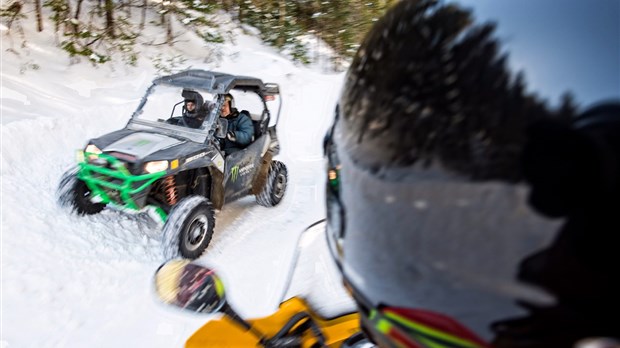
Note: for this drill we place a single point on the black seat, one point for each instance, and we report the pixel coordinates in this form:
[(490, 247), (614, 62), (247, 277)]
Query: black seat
[(257, 130), (255, 123)]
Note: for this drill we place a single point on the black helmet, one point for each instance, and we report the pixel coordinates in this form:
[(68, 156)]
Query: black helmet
[(468, 201), (196, 98)]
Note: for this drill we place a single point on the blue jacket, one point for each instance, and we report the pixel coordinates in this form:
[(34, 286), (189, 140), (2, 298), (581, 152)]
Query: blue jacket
[(241, 125)]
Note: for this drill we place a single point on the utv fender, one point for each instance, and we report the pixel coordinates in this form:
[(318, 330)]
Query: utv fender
[(201, 183), (260, 179), (217, 188)]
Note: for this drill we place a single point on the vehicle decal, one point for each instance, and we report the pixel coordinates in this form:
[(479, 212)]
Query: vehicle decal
[(142, 142), (195, 157), (234, 172), (243, 171), (218, 161)]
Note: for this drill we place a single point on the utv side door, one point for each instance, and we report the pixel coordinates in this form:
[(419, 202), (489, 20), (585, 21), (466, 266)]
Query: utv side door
[(241, 166)]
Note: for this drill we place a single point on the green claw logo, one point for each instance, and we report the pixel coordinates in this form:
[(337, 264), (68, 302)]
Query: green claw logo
[(234, 173)]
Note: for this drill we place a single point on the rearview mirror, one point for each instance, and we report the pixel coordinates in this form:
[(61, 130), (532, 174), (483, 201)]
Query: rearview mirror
[(221, 128), (195, 288), (189, 286)]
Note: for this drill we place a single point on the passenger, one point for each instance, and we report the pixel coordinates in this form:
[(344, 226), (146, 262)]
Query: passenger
[(240, 128)]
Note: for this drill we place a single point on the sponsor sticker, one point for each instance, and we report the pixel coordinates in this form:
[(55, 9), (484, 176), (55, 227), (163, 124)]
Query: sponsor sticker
[(195, 157), (237, 171), (218, 161), (234, 173)]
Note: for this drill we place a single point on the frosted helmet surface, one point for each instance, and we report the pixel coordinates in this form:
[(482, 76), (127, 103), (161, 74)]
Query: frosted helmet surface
[(473, 174)]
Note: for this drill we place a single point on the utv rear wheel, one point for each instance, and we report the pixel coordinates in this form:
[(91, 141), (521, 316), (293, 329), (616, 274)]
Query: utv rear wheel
[(189, 228), (74, 193), (275, 186)]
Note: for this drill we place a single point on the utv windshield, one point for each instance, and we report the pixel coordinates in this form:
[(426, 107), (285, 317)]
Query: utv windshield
[(166, 110)]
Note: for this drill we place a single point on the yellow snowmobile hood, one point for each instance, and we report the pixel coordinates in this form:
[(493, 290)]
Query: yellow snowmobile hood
[(225, 332)]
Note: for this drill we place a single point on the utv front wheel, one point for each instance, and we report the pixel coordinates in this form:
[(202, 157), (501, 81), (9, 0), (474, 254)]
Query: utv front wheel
[(274, 188), (189, 228), (74, 193)]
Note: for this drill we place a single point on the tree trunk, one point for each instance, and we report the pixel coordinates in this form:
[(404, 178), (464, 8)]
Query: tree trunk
[(37, 6), (168, 23), (66, 16), (126, 6), (145, 5), (78, 9), (281, 23), (109, 18)]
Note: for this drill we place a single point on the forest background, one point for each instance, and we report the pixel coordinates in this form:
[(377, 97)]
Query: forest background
[(103, 31)]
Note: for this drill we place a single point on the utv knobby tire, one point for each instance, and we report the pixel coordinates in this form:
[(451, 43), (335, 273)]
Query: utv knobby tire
[(189, 228), (74, 193), (275, 186)]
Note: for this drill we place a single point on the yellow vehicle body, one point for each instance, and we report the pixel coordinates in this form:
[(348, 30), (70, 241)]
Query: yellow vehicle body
[(225, 332)]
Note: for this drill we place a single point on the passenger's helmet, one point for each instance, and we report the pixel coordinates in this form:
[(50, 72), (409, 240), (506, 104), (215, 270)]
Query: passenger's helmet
[(228, 98), (473, 174)]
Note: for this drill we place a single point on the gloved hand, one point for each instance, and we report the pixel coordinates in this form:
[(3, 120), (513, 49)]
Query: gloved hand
[(231, 136)]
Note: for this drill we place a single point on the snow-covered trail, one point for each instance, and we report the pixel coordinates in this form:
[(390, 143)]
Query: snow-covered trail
[(70, 281)]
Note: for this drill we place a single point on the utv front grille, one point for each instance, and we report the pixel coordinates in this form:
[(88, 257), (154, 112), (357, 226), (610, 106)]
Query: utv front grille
[(110, 180)]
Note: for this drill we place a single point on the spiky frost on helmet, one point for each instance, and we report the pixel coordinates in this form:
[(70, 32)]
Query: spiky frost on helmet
[(470, 197)]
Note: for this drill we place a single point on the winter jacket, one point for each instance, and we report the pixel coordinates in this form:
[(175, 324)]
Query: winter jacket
[(240, 124)]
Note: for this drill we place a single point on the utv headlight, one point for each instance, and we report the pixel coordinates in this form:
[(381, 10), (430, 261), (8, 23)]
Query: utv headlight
[(155, 166), (93, 150)]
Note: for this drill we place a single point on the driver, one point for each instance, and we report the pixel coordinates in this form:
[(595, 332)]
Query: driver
[(193, 111), (463, 209)]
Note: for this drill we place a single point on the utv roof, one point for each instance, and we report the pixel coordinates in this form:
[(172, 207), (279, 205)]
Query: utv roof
[(216, 82)]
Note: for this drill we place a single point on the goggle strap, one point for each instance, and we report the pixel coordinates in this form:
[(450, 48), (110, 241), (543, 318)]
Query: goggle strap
[(414, 334)]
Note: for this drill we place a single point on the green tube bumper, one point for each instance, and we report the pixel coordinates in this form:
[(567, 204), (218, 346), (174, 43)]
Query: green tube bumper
[(110, 181)]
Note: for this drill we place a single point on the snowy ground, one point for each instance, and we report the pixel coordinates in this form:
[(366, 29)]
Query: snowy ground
[(70, 281)]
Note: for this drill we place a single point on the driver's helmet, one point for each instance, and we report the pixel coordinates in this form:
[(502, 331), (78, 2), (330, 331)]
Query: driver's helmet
[(473, 174), (196, 98)]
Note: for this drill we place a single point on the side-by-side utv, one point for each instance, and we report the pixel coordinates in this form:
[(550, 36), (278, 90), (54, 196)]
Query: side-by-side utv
[(179, 169)]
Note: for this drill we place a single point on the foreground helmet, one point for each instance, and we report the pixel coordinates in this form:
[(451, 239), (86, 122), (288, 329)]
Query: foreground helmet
[(473, 174)]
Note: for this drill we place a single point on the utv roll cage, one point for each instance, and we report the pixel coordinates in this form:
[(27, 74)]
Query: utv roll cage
[(220, 83)]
